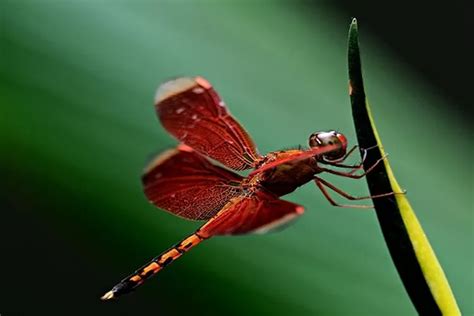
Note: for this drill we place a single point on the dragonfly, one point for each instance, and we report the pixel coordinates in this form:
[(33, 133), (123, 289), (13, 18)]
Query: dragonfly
[(196, 179)]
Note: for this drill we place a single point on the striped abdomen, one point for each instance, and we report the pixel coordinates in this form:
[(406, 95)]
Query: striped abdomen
[(153, 267)]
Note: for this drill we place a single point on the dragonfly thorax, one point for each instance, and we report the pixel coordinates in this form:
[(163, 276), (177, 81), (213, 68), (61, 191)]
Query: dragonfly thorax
[(286, 177)]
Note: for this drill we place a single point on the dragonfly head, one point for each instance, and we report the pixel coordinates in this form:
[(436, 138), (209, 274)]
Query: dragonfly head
[(321, 139)]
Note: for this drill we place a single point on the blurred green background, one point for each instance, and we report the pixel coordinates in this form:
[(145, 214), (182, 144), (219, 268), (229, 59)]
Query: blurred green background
[(77, 124)]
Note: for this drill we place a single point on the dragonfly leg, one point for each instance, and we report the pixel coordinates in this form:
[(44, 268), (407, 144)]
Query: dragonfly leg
[(321, 185), (330, 162), (351, 174), (349, 196), (337, 163), (354, 168)]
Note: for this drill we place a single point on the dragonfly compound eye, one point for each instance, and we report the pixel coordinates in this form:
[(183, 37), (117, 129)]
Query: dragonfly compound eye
[(321, 139)]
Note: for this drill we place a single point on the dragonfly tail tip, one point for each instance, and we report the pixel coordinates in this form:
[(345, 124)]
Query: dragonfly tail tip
[(107, 296)]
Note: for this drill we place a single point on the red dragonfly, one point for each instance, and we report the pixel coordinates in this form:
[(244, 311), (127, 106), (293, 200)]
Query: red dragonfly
[(186, 183)]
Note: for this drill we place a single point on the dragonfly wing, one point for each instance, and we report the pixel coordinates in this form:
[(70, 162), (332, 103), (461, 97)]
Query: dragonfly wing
[(259, 214), (185, 183), (192, 111)]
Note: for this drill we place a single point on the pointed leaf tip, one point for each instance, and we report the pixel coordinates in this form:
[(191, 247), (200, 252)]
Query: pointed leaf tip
[(353, 27)]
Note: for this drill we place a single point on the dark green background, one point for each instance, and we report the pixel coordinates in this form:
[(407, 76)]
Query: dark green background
[(77, 124)]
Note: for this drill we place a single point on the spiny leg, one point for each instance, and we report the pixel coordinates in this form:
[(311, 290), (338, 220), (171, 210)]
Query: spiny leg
[(321, 186), (354, 168), (337, 163), (343, 157), (349, 196), (350, 173), (136, 279)]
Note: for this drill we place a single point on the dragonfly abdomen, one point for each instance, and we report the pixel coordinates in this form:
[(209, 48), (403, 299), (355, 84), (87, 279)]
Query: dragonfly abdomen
[(158, 263)]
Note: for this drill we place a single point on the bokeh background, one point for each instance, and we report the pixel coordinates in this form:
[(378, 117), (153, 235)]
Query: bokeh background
[(77, 125)]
